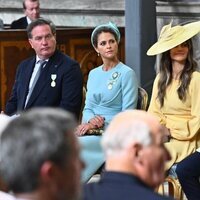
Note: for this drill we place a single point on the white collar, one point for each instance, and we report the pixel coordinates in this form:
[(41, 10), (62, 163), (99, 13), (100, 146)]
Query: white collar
[(37, 59), (28, 20)]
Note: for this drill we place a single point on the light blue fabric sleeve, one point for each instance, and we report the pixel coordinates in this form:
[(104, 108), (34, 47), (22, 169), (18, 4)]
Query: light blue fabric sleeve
[(129, 90)]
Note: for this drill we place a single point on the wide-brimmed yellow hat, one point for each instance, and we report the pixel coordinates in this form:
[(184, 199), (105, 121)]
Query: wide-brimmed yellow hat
[(171, 37)]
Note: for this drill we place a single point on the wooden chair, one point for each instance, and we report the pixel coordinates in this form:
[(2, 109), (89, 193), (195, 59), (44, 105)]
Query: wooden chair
[(171, 187), (142, 99), (83, 103)]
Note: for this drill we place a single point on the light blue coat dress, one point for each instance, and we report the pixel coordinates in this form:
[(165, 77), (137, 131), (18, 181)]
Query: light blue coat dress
[(108, 93)]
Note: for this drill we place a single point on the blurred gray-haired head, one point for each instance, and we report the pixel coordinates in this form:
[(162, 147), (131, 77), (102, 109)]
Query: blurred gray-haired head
[(38, 135), (124, 129)]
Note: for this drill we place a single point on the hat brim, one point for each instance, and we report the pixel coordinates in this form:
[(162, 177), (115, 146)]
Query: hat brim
[(188, 32)]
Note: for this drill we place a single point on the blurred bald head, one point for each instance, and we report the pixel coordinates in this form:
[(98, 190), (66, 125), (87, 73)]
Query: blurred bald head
[(133, 144), (127, 127)]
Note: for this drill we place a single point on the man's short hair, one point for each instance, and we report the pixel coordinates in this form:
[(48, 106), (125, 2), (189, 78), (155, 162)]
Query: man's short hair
[(40, 22), (24, 3), (37, 136)]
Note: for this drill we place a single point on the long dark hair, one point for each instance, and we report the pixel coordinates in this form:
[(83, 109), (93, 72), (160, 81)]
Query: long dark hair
[(165, 72)]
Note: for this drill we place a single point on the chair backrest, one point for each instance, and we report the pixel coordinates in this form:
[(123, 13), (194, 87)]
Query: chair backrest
[(83, 104), (171, 187), (142, 99)]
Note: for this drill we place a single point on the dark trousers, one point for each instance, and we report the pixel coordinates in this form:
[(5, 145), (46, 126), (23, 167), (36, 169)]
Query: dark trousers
[(188, 172)]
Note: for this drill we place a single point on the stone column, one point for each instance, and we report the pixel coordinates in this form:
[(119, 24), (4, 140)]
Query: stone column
[(140, 34)]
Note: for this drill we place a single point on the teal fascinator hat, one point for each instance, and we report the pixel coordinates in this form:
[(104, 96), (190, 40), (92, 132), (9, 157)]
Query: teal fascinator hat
[(102, 27)]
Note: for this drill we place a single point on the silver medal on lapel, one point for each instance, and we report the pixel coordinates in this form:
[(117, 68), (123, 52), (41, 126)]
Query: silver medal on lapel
[(53, 78)]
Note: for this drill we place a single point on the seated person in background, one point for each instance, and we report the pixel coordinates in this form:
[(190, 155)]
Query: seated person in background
[(135, 159), (188, 172), (4, 120), (31, 11), (40, 156), (60, 81), (111, 87), (1, 24), (176, 92)]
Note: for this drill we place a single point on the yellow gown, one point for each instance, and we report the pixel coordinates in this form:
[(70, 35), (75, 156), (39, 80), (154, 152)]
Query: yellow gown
[(182, 118)]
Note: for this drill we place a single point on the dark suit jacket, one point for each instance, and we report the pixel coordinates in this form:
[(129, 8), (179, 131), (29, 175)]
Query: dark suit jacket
[(119, 186), (66, 94), (21, 23)]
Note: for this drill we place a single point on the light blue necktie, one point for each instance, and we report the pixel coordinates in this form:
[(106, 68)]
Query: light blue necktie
[(42, 63)]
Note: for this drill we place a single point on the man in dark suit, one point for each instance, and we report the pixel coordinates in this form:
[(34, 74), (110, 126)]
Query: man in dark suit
[(31, 10), (135, 159), (60, 81)]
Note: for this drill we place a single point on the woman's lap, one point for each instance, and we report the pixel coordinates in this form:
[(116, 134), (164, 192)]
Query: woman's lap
[(91, 154)]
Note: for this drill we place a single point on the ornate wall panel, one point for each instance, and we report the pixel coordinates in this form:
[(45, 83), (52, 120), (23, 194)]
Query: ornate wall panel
[(11, 54)]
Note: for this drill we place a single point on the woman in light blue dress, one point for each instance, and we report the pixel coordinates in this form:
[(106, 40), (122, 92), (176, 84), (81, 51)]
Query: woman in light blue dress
[(111, 88)]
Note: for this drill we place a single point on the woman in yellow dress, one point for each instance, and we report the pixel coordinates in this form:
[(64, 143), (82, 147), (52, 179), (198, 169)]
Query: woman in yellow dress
[(176, 91)]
